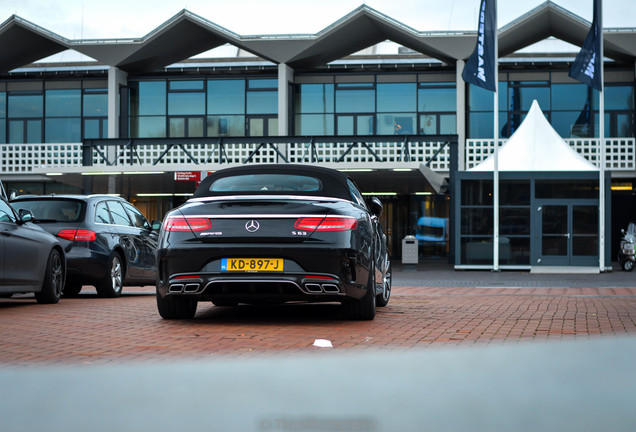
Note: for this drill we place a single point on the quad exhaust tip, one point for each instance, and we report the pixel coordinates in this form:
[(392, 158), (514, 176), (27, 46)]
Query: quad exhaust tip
[(187, 288), (328, 288)]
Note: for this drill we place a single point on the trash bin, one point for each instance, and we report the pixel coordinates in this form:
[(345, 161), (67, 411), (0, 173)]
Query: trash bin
[(409, 250)]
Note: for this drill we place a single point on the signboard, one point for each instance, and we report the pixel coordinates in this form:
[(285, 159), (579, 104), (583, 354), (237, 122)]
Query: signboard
[(187, 176)]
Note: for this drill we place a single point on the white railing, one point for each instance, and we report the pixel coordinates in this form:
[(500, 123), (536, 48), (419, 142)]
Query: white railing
[(620, 153), (25, 158)]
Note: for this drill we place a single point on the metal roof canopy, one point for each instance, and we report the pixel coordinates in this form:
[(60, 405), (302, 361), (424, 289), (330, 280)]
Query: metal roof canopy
[(187, 34)]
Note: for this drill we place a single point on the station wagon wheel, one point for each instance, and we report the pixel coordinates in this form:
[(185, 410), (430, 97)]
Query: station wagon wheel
[(53, 280), (111, 284), (383, 299)]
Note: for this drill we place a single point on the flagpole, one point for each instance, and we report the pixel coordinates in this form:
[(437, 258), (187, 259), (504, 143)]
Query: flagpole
[(601, 131), (495, 180)]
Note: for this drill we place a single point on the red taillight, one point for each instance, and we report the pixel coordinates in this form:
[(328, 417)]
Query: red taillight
[(326, 224), (77, 235), (179, 223)]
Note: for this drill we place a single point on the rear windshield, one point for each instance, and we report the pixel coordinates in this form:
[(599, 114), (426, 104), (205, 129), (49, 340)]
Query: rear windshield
[(266, 183), (52, 210)]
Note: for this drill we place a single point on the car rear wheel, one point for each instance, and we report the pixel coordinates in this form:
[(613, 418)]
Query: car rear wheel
[(628, 265), (53, 280), (175, 307), (112, 283), (72, 289), (364, 308), (382, 300)]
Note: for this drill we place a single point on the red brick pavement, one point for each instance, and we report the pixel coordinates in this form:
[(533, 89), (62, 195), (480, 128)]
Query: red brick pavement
[(91, 330)]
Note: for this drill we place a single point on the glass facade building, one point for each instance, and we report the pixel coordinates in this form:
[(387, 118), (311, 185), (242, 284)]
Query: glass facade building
[(309, 87)]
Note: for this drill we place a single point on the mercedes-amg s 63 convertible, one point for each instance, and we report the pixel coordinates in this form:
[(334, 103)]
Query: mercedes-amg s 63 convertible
[(274, 234)]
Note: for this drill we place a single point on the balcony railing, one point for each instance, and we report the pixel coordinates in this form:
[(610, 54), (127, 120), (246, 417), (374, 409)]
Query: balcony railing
[(385, 151), (620, 153), (382, 151)]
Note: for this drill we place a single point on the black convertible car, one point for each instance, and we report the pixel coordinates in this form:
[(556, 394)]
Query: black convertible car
[(274, 233)]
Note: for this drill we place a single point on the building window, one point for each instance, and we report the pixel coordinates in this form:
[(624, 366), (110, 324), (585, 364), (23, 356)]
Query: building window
[(200, 108), (25, 112), (63, 109), (437, 108), (95, 113), (314, 109), (148, 100), (3, 117)]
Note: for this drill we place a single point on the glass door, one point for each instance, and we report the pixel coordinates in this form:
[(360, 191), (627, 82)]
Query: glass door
[(555, 235), (567, 234)]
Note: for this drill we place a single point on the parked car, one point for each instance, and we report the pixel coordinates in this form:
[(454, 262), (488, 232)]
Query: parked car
[(108, 242), (31, 259), (274, 233)]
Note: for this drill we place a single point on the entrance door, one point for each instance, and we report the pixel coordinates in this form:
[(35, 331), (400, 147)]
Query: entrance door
[(566, 233)]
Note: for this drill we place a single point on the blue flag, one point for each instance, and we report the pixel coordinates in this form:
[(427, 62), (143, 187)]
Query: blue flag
[(587, 65), (480, 66)]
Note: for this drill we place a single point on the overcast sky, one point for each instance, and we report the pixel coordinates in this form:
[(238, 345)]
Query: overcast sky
[(97, 19)]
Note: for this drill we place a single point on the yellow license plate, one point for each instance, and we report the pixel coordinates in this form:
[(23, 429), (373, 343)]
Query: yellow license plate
[(252, 264)]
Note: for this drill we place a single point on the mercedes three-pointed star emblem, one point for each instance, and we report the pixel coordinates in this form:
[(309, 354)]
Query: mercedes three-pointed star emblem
[(252, 226)]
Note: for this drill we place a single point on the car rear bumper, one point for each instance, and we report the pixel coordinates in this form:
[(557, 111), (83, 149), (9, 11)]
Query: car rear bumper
[(310, 274), (85, 265)]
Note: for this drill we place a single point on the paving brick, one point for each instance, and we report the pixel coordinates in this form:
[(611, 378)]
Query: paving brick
[(89, 330)]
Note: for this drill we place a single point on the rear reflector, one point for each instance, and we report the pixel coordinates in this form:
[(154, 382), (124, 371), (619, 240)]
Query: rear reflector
[(77, 235), (327, 224), (179, 223)]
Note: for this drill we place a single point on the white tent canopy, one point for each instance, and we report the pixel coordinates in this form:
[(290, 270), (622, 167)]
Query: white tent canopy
[(536, 146)]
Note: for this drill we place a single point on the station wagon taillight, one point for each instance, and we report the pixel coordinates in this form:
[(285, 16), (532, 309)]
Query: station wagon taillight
[(326, 224), (77, 235), (182, 224)]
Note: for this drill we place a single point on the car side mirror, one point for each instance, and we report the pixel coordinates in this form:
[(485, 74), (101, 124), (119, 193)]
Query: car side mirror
[(25, 215), (376, 207), (156, 225)]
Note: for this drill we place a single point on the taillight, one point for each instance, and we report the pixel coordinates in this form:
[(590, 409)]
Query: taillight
[(326, 224), (77, 235), (179, 223)]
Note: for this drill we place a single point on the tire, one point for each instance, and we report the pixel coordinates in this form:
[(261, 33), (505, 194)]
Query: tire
[(628, 265), (112, 283), (176, 307), (364, 308), (53, 280), (72, 289), (382, 300)]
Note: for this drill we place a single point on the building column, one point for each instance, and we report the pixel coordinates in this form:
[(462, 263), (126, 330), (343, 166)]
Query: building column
[(116, 78), (461, 116), (285, 78)]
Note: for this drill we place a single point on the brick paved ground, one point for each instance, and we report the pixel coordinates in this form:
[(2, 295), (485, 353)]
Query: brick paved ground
[(90, 330)]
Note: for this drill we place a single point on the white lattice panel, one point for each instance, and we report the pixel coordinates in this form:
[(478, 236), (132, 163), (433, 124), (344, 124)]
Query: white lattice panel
[(620, 153), (18, 158)]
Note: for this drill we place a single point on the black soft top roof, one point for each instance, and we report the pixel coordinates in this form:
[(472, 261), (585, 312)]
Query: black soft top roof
[(334, 183)]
